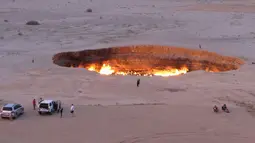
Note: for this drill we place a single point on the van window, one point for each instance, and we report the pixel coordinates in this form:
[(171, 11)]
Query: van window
[(19, 106), (44, 105), (7, 108), (16, 107)]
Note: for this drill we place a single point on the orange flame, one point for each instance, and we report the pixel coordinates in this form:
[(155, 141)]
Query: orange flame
[(92, 67), (171, 72), (106, 69)]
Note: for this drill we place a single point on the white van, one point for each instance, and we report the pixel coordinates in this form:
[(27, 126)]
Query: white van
[(49, 106)]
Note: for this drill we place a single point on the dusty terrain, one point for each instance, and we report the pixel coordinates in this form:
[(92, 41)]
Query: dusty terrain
[(174, 109)]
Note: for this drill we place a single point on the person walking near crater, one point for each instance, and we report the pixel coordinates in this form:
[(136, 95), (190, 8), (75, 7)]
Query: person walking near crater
[(138, 82)]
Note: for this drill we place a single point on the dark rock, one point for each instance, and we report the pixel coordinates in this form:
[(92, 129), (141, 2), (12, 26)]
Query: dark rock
[(6, 20), (253, 63), (89, 10), (20, 34), (32, 22), (2, 37)]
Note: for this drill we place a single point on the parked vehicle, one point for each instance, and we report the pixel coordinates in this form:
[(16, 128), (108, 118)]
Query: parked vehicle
[(49, 106), (11, 110)]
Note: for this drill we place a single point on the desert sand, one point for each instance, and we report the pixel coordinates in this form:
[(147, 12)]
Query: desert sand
[(111, 109)]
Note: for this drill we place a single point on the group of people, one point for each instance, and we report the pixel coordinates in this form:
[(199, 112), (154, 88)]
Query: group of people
[(223, 108), (60, 110)]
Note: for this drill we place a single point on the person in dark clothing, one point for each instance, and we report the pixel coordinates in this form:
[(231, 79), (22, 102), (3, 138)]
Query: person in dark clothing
[(59, 107), (138, 82), (34, 103), (224, 108), (61, 112), (215, 109)]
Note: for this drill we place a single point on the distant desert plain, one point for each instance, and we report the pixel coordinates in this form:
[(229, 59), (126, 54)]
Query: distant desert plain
[(111, 108)]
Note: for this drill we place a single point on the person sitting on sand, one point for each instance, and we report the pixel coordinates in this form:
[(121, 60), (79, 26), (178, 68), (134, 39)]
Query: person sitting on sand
[(224, 108), (72, 110), (215, 109)]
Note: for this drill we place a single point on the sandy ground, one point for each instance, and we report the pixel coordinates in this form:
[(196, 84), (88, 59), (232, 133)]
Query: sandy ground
[(177, 109)]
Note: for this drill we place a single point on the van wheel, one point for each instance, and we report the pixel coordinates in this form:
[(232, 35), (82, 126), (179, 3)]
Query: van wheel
[(13, 116)]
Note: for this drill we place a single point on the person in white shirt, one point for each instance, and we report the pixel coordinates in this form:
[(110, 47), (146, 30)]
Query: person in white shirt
[(72, 110)]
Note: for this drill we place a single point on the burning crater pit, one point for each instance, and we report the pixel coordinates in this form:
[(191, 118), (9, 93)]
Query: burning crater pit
[(146, 60)]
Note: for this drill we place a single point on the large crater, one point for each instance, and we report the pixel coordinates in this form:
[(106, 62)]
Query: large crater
[(147, 60)]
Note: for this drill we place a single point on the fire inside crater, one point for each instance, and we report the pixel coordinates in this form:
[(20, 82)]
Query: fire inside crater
[(147, 60)]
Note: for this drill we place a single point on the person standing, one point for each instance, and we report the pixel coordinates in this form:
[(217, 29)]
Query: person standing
[(40, 100), (61, 112), (72, 110), (138, 82), (34, 103)]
